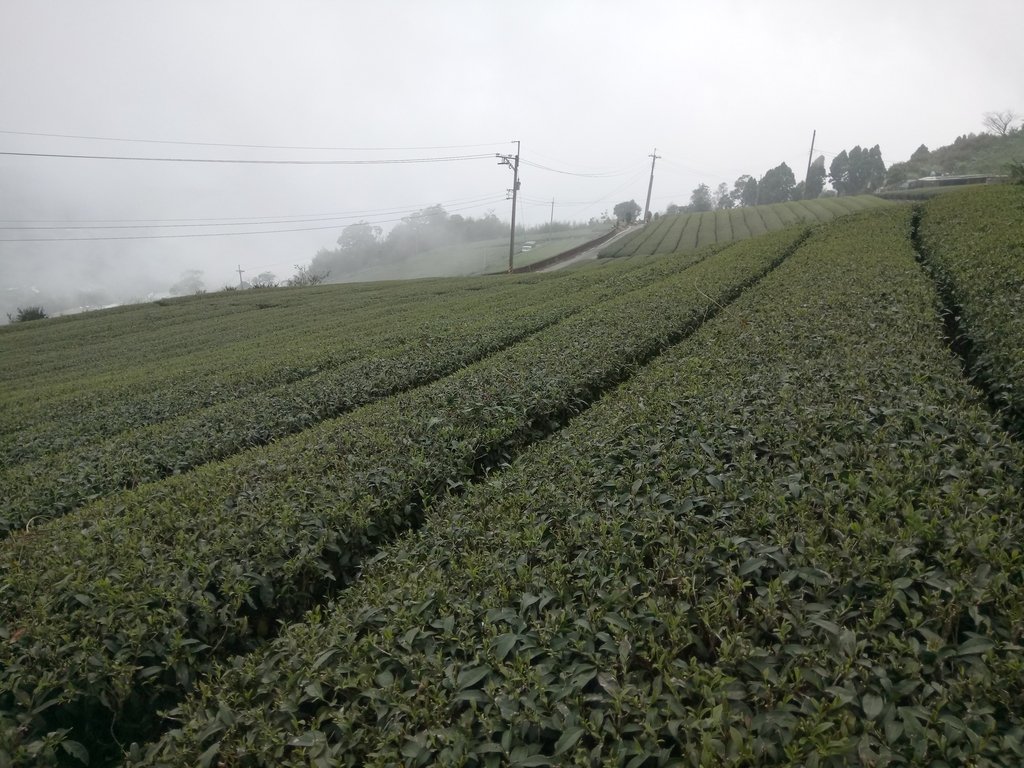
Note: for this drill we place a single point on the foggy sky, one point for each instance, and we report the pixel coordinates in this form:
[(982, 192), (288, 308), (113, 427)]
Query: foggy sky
[(721, 89)]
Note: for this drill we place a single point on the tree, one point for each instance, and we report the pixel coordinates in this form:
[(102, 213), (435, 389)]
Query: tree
[(776, 186), (264, 280), (874, 169), (744, 190), (722, 199), (867, 171), (431, 216), (26, 314), (360, 237), (1000, 123), (418, 232), (191, 282), (700, 199), (486, 227), (839, 172), (306, 276), (1015, 170), (857, 172), (815, 179), (921, 154), (627, 211)]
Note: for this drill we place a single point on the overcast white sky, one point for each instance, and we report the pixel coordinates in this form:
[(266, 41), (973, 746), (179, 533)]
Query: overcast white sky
[(720, 88)]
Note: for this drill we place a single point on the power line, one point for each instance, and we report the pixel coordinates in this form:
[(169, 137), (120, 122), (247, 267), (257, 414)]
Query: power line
[(388, 161), (237, 221), (548, 160), (573, 173), (699, 171), (633, 179), (541, 201), (253, 219), (251, 146), (136, 224), (210, 234)]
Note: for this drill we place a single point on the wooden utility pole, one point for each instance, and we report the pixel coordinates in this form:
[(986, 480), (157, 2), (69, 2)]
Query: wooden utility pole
[(513, 163), (807, 176), (552, 210), (240, 271), (650, 185)]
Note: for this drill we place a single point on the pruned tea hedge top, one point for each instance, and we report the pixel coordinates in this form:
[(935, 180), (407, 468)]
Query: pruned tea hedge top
[(672, 233), (974, 242), (156, 584), (793, 539), (739, 508)]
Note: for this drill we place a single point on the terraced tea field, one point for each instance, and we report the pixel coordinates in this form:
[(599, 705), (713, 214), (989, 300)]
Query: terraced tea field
[(673, 233), (741, 505)]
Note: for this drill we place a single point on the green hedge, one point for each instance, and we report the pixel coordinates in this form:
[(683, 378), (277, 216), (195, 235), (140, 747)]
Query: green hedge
[(974, 242), (793, 539), (114, 611), (105, 387)]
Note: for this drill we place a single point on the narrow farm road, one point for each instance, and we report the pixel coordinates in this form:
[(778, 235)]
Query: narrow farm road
[(587, 255)]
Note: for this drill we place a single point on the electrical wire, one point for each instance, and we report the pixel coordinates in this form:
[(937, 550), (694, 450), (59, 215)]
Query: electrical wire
[(251, 146), (215, 234), (388, 161), (254, 219), (691, 171), (235, 221), (573, 173), (538, 201), (547, 160), (135, 224), (632, 180)]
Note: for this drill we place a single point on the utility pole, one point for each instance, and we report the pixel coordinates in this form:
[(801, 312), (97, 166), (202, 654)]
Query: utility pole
[(807, 177), (650, 185), (513, 163), (552, 211), (240, 271)]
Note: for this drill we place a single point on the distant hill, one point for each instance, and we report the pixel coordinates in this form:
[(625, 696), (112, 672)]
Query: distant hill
[(477, 257), (672, 233), (968, 154), (435, 243)]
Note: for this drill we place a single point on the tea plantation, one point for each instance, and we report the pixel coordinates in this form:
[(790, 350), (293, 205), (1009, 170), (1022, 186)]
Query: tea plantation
[(676, 232), (760, 503)]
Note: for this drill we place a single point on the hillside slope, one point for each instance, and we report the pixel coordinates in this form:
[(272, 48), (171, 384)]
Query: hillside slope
[(461, 259), (737, 505), (770, 533), (673, 233), (974, 154)]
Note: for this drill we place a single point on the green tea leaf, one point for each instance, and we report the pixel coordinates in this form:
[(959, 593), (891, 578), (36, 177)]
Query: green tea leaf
[(872, 705)]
